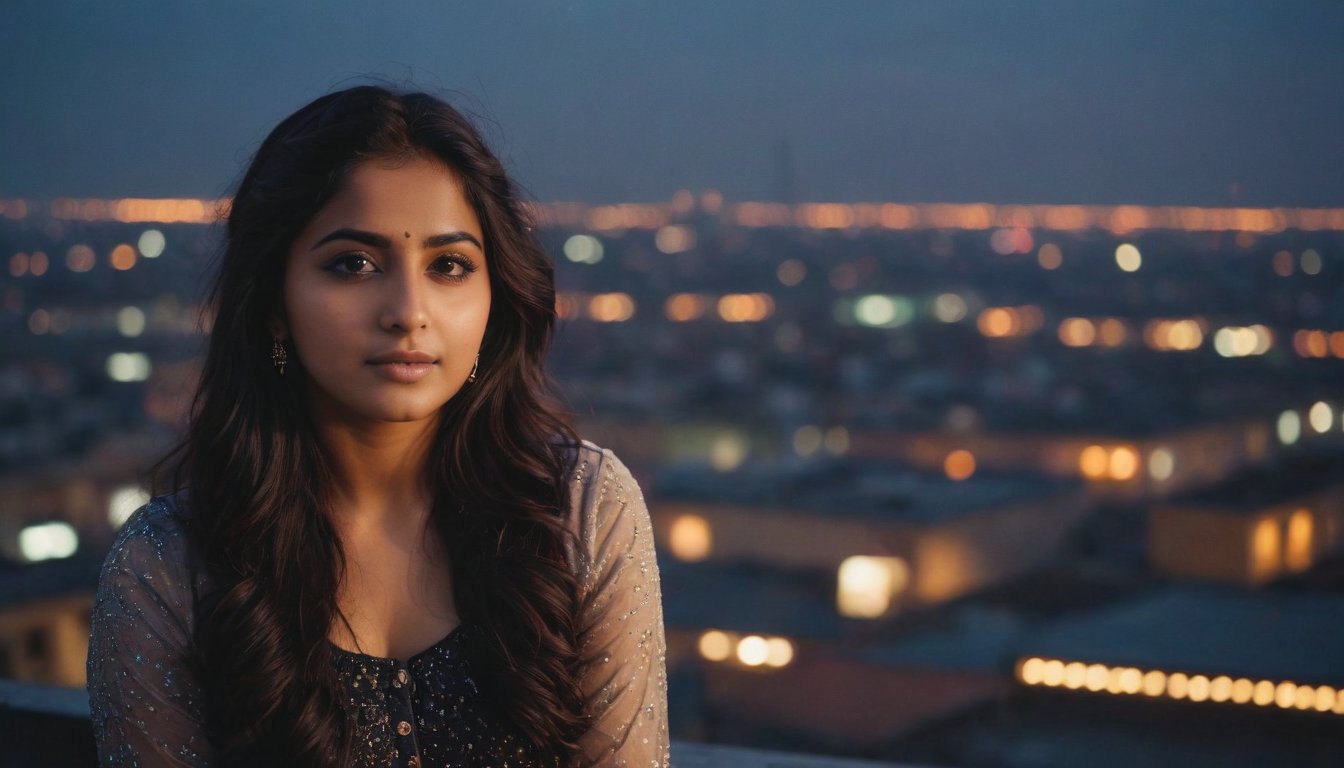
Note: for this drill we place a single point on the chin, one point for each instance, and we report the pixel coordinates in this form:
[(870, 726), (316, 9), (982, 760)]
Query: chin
[(402, 413), (400, 408)]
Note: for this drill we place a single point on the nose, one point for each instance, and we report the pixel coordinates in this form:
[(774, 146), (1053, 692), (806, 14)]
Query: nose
[(404, 308)]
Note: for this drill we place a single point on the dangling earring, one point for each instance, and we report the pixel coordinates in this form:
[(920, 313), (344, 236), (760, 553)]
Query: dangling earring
[(472, 376), (279, 355)]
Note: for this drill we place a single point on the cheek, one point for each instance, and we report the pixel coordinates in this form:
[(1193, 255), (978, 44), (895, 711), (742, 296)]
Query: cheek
[(316, 318)]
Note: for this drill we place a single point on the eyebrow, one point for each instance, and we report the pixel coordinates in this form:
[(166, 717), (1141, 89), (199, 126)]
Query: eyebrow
[(375, 240)]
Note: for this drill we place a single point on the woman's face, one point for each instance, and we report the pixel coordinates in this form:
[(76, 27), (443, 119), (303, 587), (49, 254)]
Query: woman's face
[(386, 294)]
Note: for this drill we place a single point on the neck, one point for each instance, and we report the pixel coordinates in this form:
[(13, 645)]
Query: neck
[(379, 473)]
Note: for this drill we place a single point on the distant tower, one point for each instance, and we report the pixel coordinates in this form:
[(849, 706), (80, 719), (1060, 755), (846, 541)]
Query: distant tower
[(784, 192)]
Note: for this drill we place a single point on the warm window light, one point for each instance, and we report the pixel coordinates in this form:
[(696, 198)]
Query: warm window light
[(1077, 332), (959, 465), (1093, 462), (1124, 463), (745, 307), (866, 585), (611, 307), (123, 502), (715, 645), (122, 257), (1297, 553), (48, 541), (1243, 341), (690, 538), (753, 650), (1266, 548), (778, 652), (998, 322)]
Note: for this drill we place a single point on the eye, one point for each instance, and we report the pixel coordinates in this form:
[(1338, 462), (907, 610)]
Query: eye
[(351, 264), (453, 266)]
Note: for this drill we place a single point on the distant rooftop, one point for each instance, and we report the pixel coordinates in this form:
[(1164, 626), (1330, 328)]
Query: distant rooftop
[(1211, 630), (852, 488), (1288, 476)]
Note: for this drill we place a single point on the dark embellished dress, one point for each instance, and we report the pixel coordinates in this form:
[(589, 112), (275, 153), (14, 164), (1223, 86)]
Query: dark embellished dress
[(425, 712)]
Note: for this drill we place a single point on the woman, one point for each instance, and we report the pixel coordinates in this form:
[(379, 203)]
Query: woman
[(387, 546)]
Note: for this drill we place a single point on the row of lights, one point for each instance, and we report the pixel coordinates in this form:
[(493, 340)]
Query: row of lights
[(135, 210), (1223, 689), (1309, 262), (130, 321), (1317, 343), (1121, 462), (757, 651), (971, 216), (82, 258), (1321, 417), (1009, 322), (983, 216), (1164, 335), (618, 307)]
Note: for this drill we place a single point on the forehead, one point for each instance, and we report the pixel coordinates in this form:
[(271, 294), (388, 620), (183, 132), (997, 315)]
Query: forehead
[(420, 196)]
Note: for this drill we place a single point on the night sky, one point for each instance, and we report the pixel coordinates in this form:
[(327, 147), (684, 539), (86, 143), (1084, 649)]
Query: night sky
[(1162, 102)]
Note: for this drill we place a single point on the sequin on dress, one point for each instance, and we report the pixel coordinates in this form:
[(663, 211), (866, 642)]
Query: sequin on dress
[(425, 712)]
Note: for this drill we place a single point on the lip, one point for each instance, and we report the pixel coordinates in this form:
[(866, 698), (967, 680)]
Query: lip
[(403, 367), (412, 357)]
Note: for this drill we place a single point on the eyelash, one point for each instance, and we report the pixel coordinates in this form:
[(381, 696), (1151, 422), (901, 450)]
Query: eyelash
[(456, 259)]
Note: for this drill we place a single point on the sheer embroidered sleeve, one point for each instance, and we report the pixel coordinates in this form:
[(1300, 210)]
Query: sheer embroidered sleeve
[(621, 620), (145, 703)]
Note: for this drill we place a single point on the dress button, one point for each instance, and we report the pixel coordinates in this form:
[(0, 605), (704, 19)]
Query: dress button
[(403, 728), (401, 677)]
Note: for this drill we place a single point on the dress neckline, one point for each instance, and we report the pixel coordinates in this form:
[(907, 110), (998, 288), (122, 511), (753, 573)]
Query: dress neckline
[(448, 639)]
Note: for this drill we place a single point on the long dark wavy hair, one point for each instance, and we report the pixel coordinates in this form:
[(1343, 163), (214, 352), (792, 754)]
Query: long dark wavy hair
[(257, 479)]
